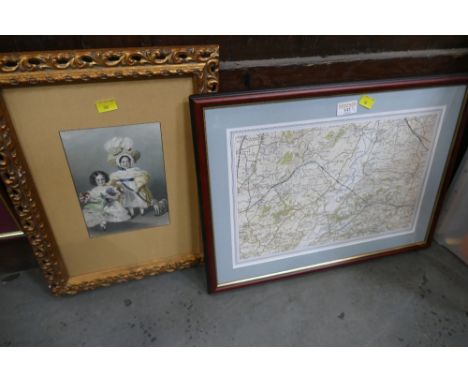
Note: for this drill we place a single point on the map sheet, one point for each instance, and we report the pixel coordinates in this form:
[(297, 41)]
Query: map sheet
[(321, 183)]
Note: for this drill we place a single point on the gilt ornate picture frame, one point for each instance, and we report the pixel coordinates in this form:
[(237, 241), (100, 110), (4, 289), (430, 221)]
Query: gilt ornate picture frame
[(296, 180), (64, 117)]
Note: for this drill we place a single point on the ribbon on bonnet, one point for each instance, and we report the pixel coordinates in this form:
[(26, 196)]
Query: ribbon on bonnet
[(118, 147)]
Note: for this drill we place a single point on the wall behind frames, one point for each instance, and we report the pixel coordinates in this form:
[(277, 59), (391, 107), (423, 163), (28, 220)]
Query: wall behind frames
[(7, 222), (262, 62)]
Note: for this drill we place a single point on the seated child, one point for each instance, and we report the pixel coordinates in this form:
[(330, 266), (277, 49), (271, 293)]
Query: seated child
[(101, 204)]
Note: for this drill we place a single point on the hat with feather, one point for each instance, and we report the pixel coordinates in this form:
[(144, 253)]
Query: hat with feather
[(119, 147)]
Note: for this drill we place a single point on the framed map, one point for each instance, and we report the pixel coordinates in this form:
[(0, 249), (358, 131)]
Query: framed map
[(301, 179)]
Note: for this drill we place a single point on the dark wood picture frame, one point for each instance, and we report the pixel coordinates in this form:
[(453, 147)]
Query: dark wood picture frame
[(201, 103)]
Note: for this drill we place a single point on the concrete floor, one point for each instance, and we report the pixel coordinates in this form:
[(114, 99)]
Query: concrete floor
[(414, 299)]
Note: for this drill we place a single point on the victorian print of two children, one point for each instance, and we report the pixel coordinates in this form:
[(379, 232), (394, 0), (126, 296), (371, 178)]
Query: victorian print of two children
[(119, 195)]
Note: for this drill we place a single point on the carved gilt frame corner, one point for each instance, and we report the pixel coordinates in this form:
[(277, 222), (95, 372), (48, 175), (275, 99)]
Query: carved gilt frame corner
[(27, 69)]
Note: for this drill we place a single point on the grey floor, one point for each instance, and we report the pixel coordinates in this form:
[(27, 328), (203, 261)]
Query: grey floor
[(414, 299)]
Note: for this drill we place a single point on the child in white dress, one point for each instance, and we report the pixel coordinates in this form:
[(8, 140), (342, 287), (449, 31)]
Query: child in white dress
[(101, 204), (130, 180)]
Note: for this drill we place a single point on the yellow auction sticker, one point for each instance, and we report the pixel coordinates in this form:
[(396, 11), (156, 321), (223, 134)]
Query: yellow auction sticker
[(366, 101), (106, 105)]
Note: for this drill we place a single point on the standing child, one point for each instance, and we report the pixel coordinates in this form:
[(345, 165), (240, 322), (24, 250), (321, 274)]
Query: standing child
[(132, 181)]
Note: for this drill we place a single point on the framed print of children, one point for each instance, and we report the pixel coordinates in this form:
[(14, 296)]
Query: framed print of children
[(131, 181), (119, 177)]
